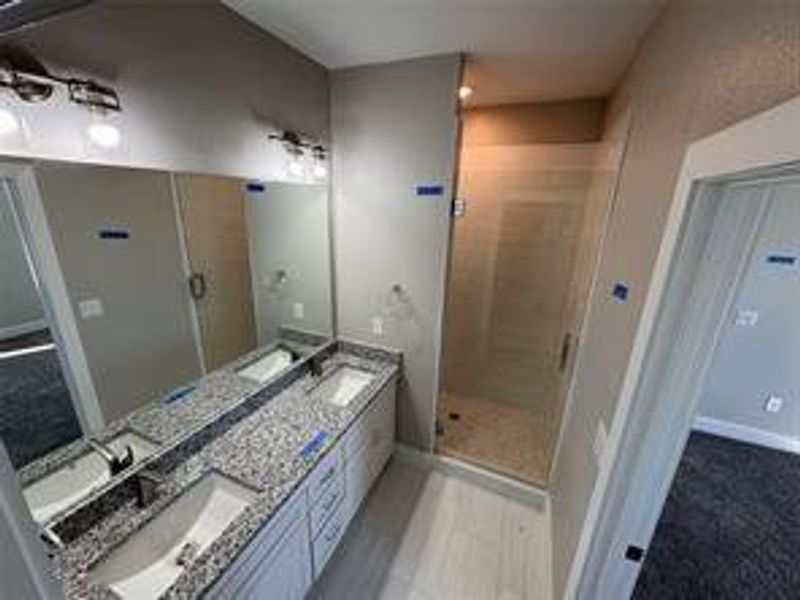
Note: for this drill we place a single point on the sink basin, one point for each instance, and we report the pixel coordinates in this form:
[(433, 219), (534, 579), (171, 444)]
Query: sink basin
[(342, 386), (75, 480), (265, 368), (154, 557)]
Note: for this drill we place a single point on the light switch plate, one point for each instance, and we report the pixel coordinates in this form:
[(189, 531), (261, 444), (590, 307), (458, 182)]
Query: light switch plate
[(377, 325), (600, 441), (747, 317), (298, 310), (90, 308)]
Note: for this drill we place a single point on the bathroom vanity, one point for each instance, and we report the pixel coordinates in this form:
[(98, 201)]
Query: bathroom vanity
[(250, 505)]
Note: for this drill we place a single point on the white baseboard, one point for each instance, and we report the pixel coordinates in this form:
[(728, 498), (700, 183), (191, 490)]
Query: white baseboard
[(13, 331), (745, 433), (505, 486)]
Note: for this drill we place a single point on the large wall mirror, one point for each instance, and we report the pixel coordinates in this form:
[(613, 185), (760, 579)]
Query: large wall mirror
[(121, 287)]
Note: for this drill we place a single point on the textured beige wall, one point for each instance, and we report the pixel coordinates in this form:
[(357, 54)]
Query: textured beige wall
[(702, 66), (567, 122)]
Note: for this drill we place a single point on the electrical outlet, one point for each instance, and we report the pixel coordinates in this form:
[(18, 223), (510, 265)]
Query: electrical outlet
[(298, 310), (774, 404), (377, 325)]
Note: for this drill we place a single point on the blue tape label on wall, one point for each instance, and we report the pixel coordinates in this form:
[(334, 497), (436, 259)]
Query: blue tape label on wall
[(430, 190), (781, 259), (620, 292), (114, 234)]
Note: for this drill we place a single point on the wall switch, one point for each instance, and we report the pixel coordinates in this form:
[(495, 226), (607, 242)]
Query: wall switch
[(298, 310), (377, 325), (90, 308), (600, 442), (746, 318), (774, 404)]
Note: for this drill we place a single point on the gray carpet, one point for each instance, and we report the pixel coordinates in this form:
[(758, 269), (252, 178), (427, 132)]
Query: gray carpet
[(730, 528), (36, 413)]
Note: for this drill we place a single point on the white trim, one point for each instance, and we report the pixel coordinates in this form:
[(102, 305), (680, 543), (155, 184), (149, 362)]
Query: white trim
[(27, 202), (746, 433), (505, 486), (24, 351), (767, 139), (12, 331)]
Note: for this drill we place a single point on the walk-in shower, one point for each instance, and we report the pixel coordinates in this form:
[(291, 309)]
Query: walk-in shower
[(524, 244)]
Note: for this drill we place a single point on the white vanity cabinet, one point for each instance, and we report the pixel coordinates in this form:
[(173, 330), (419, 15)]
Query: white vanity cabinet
[(292, 550)]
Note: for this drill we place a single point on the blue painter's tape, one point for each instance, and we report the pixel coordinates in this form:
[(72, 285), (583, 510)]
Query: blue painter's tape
[(254, 186), (430, 190), (114, 234), (781, 259), (314, 445), (179, 393), (620, 292)]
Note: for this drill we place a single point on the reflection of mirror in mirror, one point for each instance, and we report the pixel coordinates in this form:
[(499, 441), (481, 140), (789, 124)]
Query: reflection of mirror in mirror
[(162, 278)]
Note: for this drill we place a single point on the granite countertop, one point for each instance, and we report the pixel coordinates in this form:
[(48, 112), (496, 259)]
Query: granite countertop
[(260, 445), (163, 423)]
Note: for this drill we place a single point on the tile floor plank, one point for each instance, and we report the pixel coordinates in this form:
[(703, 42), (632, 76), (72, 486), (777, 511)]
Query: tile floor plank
[(425, 535)]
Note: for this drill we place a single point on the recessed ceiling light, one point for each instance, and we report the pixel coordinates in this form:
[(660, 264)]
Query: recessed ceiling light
[(464, 92)]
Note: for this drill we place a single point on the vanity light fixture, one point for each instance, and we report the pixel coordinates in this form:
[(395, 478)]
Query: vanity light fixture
[(320, 169), (297, 146)]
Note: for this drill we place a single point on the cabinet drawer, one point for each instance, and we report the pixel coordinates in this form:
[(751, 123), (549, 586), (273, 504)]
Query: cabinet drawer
[(326, 504), (324, 473), (327, 539)]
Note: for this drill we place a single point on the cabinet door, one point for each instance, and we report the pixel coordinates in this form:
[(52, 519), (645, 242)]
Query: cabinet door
[(285, 574)]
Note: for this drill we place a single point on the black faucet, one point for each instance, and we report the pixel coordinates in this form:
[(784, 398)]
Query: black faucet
[(147, 482), (315, 366)]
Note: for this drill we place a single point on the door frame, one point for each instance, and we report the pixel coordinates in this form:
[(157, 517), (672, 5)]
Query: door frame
[(638, 468), (26, 203)]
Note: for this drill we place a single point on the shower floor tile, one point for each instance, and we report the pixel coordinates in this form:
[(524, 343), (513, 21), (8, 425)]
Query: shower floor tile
[(500, 437)]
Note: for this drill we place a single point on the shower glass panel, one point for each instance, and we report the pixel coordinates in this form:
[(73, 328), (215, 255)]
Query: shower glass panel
[(521, 260)]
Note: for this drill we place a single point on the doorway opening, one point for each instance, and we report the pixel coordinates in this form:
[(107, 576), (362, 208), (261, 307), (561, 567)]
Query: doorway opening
[(528, 223), (735, 487)]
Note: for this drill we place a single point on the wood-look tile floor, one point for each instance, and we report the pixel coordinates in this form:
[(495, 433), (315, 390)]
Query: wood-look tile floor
[(424, 535), (500, 437)]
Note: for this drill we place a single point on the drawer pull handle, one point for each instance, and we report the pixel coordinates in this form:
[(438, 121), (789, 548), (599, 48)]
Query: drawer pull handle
[(331, 535), (329, 504), (328, 475)]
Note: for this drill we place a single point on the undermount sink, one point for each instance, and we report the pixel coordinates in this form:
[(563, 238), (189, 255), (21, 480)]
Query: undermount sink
[(152, 559), (343, 385), (75, 480), (265, 368)]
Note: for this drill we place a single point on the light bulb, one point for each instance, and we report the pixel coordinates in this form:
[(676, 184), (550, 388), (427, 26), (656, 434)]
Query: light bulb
[(295, 168), (105, 135), (8, 122), (320, 170), (464, 92)]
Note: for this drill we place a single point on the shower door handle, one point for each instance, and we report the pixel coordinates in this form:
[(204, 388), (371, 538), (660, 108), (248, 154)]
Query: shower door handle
[(566, 350), (197, 285)]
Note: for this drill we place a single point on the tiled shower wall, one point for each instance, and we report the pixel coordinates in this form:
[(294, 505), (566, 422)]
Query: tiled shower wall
[(521, 251)]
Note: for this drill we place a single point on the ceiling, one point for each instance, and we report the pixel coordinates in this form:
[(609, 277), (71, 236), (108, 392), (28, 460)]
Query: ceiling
[(517, 50)]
